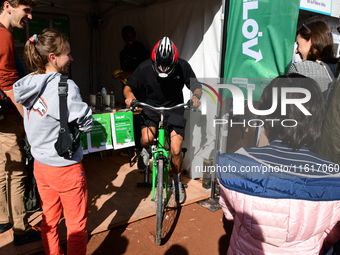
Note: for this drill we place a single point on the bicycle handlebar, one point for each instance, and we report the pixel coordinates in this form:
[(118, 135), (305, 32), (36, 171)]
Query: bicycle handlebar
[(135, 103)]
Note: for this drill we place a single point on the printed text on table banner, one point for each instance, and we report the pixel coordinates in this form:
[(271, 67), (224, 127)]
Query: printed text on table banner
[(110, 131)]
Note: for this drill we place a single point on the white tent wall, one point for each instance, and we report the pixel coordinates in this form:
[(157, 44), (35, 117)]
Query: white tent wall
[(335, 8), (186, 22)]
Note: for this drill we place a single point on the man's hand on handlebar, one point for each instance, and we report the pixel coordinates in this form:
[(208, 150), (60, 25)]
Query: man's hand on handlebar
[(195, 102), (129, 100), (134, 104), (128, 94)]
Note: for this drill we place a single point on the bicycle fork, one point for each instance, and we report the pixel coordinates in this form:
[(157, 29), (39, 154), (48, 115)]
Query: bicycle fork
[(159, 151)]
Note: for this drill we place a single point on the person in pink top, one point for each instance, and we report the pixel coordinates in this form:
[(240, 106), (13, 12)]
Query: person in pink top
[(283, 198)]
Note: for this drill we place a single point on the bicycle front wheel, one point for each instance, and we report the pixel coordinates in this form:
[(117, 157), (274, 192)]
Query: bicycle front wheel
[(159, 200)]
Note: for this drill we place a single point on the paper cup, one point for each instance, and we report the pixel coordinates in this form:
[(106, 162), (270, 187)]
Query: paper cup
[(92, 99), (106, 100)]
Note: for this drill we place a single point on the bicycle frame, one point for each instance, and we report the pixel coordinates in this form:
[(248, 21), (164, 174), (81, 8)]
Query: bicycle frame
[(159, 148), (161, 157)]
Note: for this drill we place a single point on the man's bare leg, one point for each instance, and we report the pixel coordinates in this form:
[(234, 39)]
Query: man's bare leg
[(147, 136), (146, 141), (176, 152), (176, 164)]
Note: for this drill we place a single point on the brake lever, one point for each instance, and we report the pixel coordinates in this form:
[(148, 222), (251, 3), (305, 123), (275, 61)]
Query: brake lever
[(134, 104), (189, 104)]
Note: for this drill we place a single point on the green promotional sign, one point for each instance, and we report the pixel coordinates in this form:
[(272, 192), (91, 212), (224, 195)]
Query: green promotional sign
[(100, 135), (123, 132), (260, 42), (83, 142)]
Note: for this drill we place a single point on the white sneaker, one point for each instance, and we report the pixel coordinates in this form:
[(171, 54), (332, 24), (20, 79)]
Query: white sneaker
[(143, 160), (178, 191)]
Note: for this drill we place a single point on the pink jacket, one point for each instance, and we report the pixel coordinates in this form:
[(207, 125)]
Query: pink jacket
[(278, 226), (279, 212)]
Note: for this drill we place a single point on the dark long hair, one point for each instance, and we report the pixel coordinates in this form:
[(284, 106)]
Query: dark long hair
[(322, 48), (308, 127)]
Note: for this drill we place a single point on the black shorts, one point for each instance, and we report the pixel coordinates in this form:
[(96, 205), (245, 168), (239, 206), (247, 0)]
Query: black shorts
[(172, 121)]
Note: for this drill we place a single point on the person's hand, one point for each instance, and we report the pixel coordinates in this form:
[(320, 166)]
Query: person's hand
[(129, 100), (195, 101)]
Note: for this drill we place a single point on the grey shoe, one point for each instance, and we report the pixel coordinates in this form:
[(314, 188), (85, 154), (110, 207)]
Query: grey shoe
[(143, 160), (178, 192)]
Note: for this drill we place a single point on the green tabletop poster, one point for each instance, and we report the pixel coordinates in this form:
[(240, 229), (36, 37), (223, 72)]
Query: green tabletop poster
[(84, 143), (122, 130), (100, 137)]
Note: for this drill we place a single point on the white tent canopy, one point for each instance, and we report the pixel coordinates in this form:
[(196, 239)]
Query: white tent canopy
[(95, 25), (194, 26)]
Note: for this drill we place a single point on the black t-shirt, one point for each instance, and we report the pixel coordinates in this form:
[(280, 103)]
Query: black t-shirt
[(165, 92)]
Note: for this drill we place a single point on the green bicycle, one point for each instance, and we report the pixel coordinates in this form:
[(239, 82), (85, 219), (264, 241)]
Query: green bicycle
[(160, 166)]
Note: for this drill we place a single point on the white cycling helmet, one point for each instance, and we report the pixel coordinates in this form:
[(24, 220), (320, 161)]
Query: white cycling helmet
[(164, 56)]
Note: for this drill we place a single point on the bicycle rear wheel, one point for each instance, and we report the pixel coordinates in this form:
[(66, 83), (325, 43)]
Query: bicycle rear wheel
[(159, 200)]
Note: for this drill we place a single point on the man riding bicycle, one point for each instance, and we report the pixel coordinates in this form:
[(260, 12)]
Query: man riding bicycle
[(163, 76)]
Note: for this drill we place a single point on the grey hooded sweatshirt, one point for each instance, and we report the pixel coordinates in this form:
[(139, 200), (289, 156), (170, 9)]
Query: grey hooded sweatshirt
[(38, 93)]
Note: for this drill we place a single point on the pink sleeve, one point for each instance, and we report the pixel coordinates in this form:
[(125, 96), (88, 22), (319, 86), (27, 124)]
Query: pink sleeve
[(228, 210)]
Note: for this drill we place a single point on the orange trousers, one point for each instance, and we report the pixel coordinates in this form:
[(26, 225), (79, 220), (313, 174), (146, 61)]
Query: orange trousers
[(63, 193)]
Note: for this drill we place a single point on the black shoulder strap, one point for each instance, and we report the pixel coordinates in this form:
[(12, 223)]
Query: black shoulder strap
[(62, 91)]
